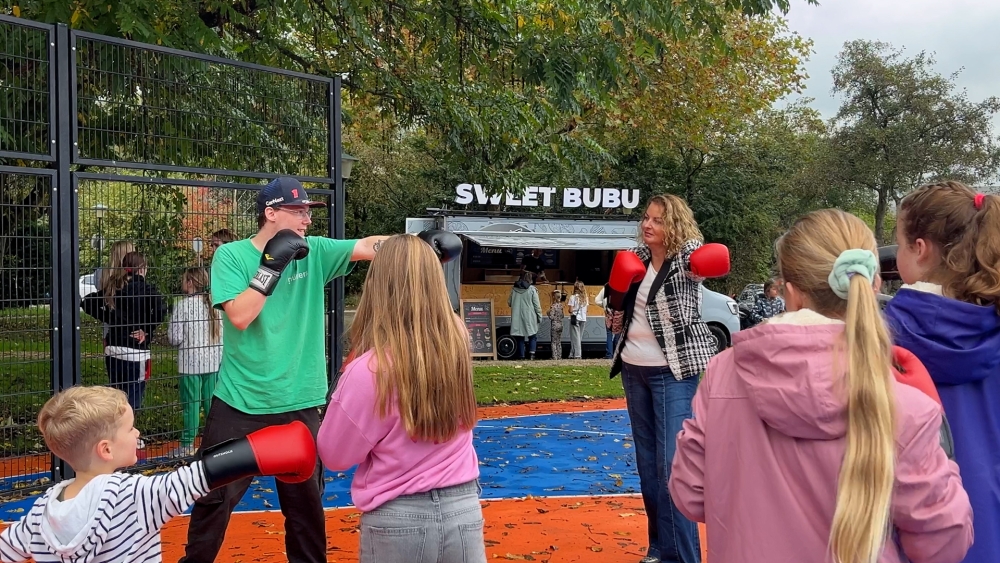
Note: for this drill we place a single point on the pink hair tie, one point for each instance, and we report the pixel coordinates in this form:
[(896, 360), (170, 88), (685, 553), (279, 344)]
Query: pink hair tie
[(978, 201)]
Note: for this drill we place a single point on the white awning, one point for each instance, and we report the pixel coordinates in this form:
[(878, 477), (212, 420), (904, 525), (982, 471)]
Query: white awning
[(551, 241)]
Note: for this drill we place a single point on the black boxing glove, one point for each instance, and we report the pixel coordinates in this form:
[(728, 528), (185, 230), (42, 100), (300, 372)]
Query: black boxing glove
[(286, 245), (446, 244)]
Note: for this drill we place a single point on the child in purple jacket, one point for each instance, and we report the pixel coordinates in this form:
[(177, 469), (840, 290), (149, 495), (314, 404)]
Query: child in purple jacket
[(948, 256)]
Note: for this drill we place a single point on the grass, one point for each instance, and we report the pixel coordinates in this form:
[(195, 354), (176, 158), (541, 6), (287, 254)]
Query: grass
[(26, 380), (523, 383)]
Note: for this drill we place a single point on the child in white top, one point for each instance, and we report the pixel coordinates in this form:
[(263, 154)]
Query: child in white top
[(103, 516), (196, 327)]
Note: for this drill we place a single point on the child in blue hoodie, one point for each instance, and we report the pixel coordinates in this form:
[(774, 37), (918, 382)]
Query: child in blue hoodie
[(948, 314)]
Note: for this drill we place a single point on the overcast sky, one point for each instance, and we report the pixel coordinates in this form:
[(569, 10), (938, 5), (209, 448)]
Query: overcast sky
[(960, 34)]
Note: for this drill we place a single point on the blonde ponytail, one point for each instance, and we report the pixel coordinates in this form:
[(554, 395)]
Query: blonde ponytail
[(867, 474), (828, 255)]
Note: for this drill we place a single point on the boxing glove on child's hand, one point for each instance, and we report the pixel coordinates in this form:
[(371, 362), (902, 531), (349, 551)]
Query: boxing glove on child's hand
[(286, 245), (710, 261), (287, 451)]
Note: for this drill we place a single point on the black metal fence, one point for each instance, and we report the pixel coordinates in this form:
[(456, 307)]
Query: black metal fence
[(105, 145)]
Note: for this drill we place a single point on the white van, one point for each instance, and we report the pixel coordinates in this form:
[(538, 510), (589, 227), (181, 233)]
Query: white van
[(572, 249)]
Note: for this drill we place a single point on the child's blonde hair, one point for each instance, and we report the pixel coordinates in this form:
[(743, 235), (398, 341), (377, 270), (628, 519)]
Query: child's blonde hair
[(75, 420), (115, 257), (966, 229), (424, 353), (198, 279), (807, 254)]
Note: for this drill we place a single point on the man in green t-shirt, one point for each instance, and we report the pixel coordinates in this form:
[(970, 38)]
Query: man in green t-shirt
[(271, 288)]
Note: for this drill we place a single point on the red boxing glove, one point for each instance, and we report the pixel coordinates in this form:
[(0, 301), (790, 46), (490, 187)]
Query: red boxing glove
[(710, 261), (627, 269), (287, 451), (909, 370)]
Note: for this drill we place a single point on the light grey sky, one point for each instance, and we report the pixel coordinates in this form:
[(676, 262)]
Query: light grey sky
[(960, 34)]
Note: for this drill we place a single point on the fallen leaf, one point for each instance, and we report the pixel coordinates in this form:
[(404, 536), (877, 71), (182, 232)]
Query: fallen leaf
[(626, 514), (596, 548)]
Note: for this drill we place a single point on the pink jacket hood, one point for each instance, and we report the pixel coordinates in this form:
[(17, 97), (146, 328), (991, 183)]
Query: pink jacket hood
[(759, 462), (789, 376)]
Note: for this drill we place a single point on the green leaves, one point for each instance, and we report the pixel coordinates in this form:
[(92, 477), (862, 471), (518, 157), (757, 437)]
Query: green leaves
[(902, 124)]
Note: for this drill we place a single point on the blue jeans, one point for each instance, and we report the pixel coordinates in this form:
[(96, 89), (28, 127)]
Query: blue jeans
[(129, 377), (532, 344), (612, 343), (440, 526), (657, 405)]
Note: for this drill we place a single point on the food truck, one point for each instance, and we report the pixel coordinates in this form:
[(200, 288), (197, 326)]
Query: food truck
[(580, 247)]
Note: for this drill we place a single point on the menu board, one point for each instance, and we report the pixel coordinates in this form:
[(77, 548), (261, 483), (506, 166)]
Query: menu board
[(477, 314), (496, 257)]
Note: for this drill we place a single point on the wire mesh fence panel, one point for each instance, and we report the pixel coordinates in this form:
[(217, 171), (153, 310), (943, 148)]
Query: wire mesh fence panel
[(26, 327), (98, 111), (142, 105), (151, 246), (25, 80)]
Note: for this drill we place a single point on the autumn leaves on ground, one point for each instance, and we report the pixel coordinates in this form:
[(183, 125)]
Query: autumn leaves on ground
[(555, 529), (567, 529)]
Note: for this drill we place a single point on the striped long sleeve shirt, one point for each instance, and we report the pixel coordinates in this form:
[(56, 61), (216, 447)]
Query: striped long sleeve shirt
[(124, 526)]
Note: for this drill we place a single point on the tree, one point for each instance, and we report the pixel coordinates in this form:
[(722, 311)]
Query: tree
[(692, 99), (503, 84), (902, 124)]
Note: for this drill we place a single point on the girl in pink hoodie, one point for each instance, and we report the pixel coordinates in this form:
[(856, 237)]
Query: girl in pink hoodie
[(403, 412), (803, 446)]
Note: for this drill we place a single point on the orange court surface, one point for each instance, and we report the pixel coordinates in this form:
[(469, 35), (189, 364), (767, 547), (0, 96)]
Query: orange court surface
[(559, 485)]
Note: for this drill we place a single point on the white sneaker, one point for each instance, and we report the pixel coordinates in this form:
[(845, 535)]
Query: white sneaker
[(139, 443)]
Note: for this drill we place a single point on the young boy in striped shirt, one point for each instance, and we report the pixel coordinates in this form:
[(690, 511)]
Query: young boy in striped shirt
[(103, 515)]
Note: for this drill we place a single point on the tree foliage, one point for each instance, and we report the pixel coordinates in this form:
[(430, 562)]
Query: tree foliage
[(693, 98), (902, 124), (503, 84)]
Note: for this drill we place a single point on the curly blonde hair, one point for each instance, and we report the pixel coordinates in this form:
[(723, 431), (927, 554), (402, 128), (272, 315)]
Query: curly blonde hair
[(679, 225)]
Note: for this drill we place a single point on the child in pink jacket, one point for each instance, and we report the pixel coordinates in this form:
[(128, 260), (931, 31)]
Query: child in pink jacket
[(403, 412), (803, 446)]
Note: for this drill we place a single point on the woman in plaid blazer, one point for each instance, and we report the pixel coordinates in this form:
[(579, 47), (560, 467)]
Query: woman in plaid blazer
[(663, 348)]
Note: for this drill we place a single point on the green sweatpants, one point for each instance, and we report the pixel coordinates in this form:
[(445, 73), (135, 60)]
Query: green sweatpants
[(196, 394)]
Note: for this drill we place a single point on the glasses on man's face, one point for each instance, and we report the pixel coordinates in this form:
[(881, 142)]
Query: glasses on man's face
[(304, 213)]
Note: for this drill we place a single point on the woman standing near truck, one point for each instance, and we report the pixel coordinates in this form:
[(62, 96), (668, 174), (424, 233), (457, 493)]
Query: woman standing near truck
[(654, 303)]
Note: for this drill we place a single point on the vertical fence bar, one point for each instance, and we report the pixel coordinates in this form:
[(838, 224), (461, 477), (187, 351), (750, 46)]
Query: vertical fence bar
[(65, 309), (337, 230)]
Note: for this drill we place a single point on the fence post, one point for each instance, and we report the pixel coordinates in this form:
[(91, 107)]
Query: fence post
[(65, 304), (337, 231)]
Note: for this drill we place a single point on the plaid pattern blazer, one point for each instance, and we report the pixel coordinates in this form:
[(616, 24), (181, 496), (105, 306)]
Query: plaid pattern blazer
[(674, 313)]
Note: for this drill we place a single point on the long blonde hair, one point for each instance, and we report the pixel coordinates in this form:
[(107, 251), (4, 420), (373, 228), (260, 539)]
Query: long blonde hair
[(806, 256), (424, 353), (679, 225), (197, 278), (115, 257), (130, 264)]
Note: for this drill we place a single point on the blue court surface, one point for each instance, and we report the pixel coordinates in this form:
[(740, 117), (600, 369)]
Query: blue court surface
[(548, 455)]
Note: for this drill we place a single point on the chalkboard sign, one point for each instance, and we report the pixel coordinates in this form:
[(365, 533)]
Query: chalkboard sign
[(477, 314)]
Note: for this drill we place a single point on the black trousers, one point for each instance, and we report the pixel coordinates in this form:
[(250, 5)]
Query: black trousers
[(301, 503)]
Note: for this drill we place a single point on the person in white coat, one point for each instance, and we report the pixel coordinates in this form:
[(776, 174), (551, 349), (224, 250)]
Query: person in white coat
[(578, 303), (196, 327)]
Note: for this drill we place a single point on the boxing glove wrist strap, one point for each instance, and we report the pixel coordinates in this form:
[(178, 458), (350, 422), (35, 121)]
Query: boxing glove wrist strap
[(229, 461), (265, 280)]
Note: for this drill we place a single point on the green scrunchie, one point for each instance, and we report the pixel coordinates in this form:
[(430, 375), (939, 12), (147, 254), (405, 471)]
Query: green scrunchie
[(850, 262)]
